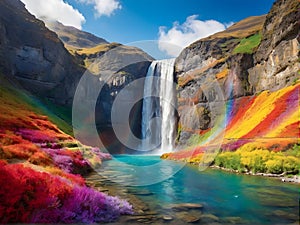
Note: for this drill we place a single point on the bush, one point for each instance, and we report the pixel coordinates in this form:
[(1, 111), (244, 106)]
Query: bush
[(274, 166), (35, 197), (248, 157), (291, 164), (230, 160)]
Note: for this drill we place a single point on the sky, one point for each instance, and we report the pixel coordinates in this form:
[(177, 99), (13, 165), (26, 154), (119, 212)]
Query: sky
[(171, 24)]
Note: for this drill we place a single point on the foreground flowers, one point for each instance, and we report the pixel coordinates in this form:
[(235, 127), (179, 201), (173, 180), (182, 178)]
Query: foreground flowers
[(29, 196), (40, 168)]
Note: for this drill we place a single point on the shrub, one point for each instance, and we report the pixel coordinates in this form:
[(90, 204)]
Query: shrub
[(67, 160), (274, 166), (291, 164), (41, 159), (20, 151), (39, 197), (230, 160)]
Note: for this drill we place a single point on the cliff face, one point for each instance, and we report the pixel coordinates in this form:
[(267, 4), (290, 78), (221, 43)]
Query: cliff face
[(111, 67), (34, 55), (51, 69), (277, 57), (255, 54), (210, 71)]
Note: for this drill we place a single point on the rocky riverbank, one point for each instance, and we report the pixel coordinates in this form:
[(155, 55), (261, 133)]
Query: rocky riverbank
[(284, 177)]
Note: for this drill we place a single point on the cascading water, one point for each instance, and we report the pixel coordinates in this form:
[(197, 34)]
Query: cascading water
[(158, 113)]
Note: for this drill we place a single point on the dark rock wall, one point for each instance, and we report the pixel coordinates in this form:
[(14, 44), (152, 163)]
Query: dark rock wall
[(34, 55)]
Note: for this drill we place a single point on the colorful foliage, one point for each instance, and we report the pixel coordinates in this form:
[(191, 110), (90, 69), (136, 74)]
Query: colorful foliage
[(37, 166), (259, 160), (268, 121), (266, 115), (44, 198)]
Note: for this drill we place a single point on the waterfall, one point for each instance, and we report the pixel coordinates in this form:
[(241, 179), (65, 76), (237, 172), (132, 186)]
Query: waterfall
[(158, 113)]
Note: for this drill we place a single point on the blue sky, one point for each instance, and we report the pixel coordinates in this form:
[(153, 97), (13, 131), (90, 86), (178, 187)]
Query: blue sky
[(140, 19), (127, 21)]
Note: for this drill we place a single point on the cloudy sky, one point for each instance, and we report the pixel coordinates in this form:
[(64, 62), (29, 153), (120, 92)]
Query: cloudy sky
[(177, 23)]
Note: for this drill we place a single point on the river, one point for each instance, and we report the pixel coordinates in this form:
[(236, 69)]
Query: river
[(226, 198)]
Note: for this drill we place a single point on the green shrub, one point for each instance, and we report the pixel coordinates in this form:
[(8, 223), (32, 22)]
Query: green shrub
[(230, 160), (261, 160), (291, 164), (258, 164), (274, 165), (294, 151)]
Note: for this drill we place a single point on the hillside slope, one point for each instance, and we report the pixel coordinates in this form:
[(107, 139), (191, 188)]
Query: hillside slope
[(36, 57), (74, 37), (43, 167)]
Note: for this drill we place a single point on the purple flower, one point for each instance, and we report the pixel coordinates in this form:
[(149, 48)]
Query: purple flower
[(101, 155), (84, 205)]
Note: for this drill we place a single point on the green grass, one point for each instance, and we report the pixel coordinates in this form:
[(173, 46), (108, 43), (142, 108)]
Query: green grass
[(247, 45), (59, 115)]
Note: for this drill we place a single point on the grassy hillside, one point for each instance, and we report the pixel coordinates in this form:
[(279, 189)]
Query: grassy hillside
[(247, 45), (74, 37), (43, 165), (241, 29)]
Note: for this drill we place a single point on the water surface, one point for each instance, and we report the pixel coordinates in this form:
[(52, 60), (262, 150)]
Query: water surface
[(248, 199)]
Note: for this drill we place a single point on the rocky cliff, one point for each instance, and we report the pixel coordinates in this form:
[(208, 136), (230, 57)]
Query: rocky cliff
[(256, 54), (109, 67), (277, 57), (50, 65), (34, 55)]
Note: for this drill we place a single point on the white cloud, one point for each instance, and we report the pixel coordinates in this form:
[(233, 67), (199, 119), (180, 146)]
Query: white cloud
[(55, 10), (172, 41), (103, 7)]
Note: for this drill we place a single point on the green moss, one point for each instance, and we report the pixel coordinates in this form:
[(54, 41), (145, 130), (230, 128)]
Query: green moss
[(247, 45)]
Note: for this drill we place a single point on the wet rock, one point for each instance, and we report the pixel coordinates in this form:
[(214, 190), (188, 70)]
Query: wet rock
[(189, 217), (284, 215), (184, 206), (141, 219), (209, 218), (167, 218), (103, 189), (233, 220)]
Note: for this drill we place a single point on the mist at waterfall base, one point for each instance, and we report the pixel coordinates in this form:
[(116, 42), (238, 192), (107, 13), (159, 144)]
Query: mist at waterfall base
[(158, 125)]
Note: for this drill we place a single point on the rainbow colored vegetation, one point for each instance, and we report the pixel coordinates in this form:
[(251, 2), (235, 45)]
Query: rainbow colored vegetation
[(261, 135), (40, 169)]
